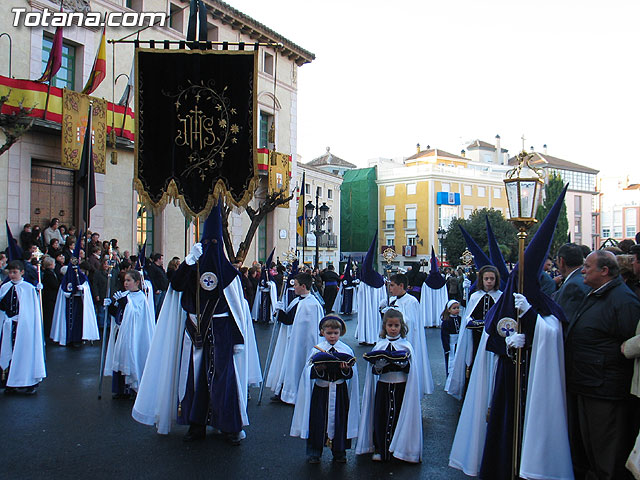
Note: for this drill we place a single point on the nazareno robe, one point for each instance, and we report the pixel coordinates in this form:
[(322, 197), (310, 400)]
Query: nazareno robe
[(130, 338), (335, 406), (368, 299), (187, 383), (298, 339), (406, 443), (21, 339)]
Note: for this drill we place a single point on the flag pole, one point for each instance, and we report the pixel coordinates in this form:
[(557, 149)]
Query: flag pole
[(89, 163)]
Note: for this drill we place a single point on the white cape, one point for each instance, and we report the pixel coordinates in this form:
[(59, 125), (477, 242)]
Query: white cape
[(300, 421), (456, 380), (255, 309), (337, 304), (157, 400), (130, 341), (368, 300), (410, 308), (545, 439), (89, 321), (407, 438), (433, 303), (300, 339), (26, 356)]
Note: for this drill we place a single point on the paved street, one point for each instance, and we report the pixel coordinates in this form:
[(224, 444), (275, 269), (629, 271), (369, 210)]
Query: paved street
[(66, 432)]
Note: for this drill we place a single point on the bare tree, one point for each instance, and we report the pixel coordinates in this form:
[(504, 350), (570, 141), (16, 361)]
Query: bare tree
[(14, 125), (269, 204)]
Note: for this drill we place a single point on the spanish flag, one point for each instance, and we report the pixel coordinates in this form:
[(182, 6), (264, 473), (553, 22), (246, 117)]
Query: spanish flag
[(99, 70), (55, 58), (300, 213)]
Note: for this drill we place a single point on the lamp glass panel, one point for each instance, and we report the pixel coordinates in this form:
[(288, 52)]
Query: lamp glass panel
[(527, 198), (512, 198)]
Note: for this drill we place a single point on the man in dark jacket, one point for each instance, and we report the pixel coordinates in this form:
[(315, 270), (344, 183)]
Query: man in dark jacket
[(573, 289), (600, 409), (330, 279), (159, 280)]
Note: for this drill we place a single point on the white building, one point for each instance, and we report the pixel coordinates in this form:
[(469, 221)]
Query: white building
[(617, 207)]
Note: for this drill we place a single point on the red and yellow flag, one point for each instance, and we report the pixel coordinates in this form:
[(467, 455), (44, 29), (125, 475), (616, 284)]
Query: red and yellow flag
[(99, 70)]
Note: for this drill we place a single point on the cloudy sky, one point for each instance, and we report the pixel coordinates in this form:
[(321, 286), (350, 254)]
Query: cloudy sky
[(389, 75)]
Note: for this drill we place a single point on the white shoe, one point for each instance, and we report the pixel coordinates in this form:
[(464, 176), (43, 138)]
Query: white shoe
[(376, 457)]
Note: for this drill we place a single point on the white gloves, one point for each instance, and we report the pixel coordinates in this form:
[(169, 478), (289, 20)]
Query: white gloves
[(107, 302), (66, 294), (279, 305), (238, 348), (39, 286), (515, 340), (522, 305), (80, 288), (194, 254), (381, 363), (119, 295), (466, 283)]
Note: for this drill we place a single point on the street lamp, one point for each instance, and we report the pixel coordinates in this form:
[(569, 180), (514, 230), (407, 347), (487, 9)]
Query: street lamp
[(523, 184), (441, 234), (317, 220)]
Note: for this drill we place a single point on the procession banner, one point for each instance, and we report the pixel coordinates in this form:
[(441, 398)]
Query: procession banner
[(196, 122), (74, 124), (279, 174)]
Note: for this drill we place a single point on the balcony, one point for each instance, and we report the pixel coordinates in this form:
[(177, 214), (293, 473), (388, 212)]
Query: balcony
[(410, 224), (388, 224), (326, 240)]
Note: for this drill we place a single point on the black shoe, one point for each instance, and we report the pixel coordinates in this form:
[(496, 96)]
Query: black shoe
[(29, 390), (195, 433), (10, 391), (236, 438), (276, 398)]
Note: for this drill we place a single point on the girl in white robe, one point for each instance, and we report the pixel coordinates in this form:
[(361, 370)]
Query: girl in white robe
[(130, 337), (391, 418)]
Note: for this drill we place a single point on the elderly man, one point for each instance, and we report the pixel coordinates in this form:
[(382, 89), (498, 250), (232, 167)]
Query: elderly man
[(598, 375), (573, 289)]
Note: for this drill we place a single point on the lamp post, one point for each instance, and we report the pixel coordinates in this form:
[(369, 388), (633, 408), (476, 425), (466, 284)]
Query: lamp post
[(441, 234), (522, 184), (317, 220)]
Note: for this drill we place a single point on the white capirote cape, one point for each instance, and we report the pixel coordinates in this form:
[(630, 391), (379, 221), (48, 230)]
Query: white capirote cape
[(454, 385), (300, 421), (368, 299), (412, 313), (406, 443), (89, 321), (300, 339), (157, 400), (433, 302), (130, 341), (337, 304), (26, 356), (545, 437), (148, 291), (273, 293)]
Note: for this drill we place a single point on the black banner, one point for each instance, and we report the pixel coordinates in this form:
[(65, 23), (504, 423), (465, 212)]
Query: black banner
[(195, 127)]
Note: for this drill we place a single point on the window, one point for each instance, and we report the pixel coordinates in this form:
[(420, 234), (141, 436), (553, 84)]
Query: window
[(329, 224), (262, 240), (66, 75), (411, 241), (487, 157), (176, 17), (319, 191), (630, 222), (144, 226), (631, 231), (212, 33), (329, 193), (617, 231), (411, 218), (482, 192), (446, 213), (446, 187), (411, 188), (606, 232), (307, 189), (389, 218), (266, 121), (267, 63), (390, 190), (390, 241), (467, 212), (134, 5), (468, 190), (497, 193), (577, 228)]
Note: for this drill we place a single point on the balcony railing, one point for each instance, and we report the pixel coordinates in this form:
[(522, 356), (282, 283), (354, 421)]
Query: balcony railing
[(326, 240), (388, 224), (410, 224)]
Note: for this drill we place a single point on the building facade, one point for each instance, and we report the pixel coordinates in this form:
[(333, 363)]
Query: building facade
[(617, 208), (425, 192), (34, 187)]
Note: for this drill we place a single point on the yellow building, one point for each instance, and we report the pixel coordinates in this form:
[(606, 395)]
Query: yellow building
[(420, 194)]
